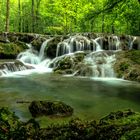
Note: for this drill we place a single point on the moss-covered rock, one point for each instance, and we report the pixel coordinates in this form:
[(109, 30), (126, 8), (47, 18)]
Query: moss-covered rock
[(128, 65), (52, 47), (26, 130), (76, 129), (117, 124), (12, 128), (70, 64), (48, 108), (36, 43), (11, 50), (9, 123), (132, 135)]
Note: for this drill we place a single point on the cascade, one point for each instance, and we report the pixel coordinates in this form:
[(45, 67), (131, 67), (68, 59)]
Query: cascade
[(131, 44), (76, 55), (43, 46), (29, 56)]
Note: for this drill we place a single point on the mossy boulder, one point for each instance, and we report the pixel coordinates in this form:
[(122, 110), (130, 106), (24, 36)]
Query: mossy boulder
[(132, 135), (83, 70), (11, 50), (69, 64), (48, 108), (9, 123), (115, 125), (76, 129), (36, 43), (127, 65), (52, 47)]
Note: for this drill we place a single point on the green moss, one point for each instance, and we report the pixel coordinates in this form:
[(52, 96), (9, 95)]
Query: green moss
[(134, 56), (132, 135), (128, 64), (119, 125), (48, 108), (70, 64), (9, 123), (11, 50)]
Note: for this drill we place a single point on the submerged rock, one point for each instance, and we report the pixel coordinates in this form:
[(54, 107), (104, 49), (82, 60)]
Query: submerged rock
[(48, 108)]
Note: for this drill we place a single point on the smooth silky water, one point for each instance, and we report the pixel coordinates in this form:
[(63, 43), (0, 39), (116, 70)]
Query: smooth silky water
[(91, 98)]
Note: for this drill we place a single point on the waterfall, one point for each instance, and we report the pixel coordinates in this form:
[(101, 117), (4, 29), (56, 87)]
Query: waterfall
[(101, 63), (43, 46), (75, 55), (131, 44), (29, 56)]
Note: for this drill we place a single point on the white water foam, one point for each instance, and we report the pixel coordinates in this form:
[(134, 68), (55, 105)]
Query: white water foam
[(96, 57)]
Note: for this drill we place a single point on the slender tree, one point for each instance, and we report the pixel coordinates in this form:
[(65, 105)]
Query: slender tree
[(19, 16), (7, 16), (33, 15)]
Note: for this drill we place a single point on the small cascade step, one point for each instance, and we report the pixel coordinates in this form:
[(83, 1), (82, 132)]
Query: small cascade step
[(98, 55)]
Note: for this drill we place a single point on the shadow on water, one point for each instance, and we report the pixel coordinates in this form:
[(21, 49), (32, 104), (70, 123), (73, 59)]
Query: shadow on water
[(90, 98)]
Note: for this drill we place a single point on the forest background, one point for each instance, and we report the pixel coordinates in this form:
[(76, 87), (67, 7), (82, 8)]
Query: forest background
[(70, 16)]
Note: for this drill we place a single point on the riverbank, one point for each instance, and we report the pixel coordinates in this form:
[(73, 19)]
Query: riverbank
[(120, 125)]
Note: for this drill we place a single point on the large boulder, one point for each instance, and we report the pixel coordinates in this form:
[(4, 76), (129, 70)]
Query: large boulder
[(127, 65), (37, 42), (52, 47), (69, 64), (49, 108), (11, 50)]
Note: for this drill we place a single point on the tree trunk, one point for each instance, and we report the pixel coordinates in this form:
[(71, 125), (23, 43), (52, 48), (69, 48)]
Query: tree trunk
[(33, 16), (37, 15), (19, 15), (7, 16), (103, 24)]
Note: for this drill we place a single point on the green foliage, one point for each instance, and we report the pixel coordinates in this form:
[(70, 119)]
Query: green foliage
[(134, 56), (119, 125), (132, 135), (10, 50), (68, 16)]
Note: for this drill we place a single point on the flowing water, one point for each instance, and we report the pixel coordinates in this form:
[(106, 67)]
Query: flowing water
[(91, 97)]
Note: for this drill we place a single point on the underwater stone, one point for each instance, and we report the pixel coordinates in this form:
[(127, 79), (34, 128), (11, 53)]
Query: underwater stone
[(48, 108)]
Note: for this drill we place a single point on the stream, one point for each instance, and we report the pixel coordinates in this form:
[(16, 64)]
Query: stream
[(91, 98)]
